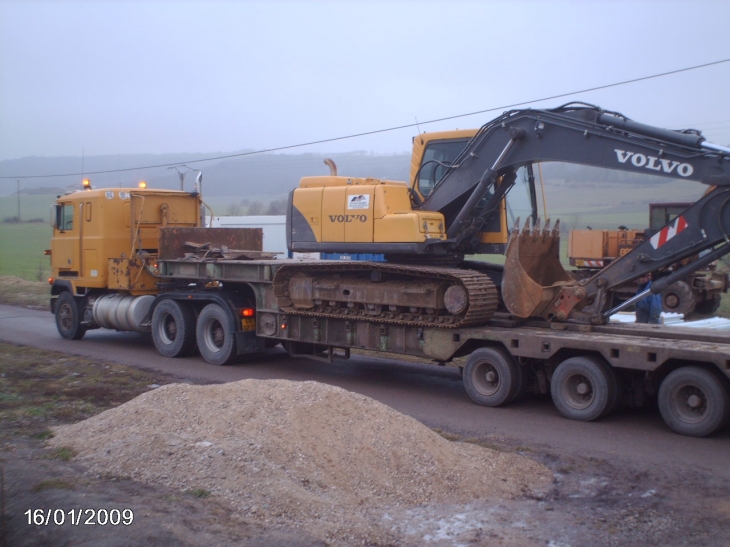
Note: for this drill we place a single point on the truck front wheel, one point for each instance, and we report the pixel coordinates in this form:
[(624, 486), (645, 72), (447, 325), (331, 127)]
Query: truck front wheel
[(584, 388), (215, 335), (694, 401), (68, 317), (173, 328), (491, 377)]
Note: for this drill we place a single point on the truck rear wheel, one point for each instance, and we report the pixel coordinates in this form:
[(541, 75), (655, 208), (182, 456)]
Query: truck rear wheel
[(215, 335), (694, 401), (491, 377), (68, 317), (173, 328), (584, 388)]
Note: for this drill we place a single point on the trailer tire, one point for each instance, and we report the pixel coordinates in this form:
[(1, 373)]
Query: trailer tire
[(584, 388), (491, 377), (694, 402), (173, 328), (68, 317), (679, 298), (215, 335)]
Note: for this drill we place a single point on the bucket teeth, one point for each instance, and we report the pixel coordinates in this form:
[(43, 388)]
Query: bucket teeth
[(546, 230), (526, 229), (556, 229)]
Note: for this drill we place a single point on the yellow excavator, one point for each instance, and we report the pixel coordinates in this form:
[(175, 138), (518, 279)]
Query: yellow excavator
[(457, 204)]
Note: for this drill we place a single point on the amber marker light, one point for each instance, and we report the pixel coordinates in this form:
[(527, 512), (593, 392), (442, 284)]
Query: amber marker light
[(87, 184), (142, 184)]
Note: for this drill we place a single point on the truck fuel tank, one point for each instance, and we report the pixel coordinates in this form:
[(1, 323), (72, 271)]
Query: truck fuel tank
[(122, 312)]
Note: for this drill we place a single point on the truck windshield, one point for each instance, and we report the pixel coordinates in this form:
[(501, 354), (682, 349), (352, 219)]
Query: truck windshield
[(436, 158)]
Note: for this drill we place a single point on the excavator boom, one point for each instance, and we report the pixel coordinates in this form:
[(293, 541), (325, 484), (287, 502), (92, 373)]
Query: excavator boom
[(534, 283)]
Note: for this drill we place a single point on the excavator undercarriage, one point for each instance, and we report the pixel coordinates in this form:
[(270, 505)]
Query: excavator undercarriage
[(388, 293)]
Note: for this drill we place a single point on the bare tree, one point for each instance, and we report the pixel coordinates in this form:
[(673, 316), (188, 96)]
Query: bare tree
[(255, 208), (234, 209), (575, 221), (277, 207)]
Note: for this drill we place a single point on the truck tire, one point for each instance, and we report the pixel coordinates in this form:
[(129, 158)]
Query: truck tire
[(694, 401), (679, 298), (491, 377), (68, 317), (709, 306), (215, 335), (584, 388), (173, 328)]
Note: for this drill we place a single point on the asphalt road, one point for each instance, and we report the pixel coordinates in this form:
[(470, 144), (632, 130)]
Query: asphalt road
[(434, 395)]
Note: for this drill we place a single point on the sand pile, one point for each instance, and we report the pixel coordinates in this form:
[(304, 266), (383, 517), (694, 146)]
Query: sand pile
[(294, 453)]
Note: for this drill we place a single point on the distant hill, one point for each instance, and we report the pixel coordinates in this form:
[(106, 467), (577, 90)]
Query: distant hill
[(267, 175), (260, 174)]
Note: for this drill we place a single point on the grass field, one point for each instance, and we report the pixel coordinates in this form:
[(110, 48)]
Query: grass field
[(21, 250), (31, 207)]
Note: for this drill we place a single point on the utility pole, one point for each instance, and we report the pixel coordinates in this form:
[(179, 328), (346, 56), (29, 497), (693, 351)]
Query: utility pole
[(182, 174), (18, 181)]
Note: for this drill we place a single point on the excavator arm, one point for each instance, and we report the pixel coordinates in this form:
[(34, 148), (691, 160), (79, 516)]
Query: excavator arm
[(469, 193)]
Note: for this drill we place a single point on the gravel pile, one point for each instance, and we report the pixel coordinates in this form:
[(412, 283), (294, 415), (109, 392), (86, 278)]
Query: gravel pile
[(296, 454)]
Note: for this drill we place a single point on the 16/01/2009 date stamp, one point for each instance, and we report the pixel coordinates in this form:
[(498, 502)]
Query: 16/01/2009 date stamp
[(80, 517)]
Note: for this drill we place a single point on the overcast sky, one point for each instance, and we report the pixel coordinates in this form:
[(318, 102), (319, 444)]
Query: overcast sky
[(113, 77)]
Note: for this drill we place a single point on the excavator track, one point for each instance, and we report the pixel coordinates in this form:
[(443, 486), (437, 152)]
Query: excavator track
[(464, 297)]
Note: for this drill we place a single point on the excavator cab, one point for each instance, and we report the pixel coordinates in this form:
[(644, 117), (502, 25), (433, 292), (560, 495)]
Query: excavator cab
[(432, 154)]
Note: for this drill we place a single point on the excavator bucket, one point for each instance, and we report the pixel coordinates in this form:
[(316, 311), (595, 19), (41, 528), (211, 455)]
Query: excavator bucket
[(533, 274)]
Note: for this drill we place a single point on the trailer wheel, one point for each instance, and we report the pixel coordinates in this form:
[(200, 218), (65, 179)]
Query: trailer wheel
[(584, 388), (491, 377), (216, 339), (693, 401), (68, 317), (173, 328)]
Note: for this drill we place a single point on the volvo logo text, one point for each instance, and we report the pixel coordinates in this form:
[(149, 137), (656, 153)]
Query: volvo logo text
[(654, 163), (348, 218)]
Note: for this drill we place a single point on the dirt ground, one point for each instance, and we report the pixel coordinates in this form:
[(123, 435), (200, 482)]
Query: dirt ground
[(589, 503)]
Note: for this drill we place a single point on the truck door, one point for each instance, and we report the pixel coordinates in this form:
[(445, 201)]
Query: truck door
[(64, 246)]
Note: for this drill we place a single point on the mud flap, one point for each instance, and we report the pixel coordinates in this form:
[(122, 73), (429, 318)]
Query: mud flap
[(533, 274)]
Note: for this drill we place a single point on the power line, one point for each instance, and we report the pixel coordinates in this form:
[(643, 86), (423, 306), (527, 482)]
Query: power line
[(375, 132)]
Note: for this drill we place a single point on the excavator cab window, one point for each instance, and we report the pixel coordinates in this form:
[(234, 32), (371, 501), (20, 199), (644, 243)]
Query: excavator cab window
[(521, 199), (437, 157), (660, 214)]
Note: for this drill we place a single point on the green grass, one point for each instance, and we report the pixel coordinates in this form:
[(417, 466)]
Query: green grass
[(31, 207), (21, 250), (64, 453)]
